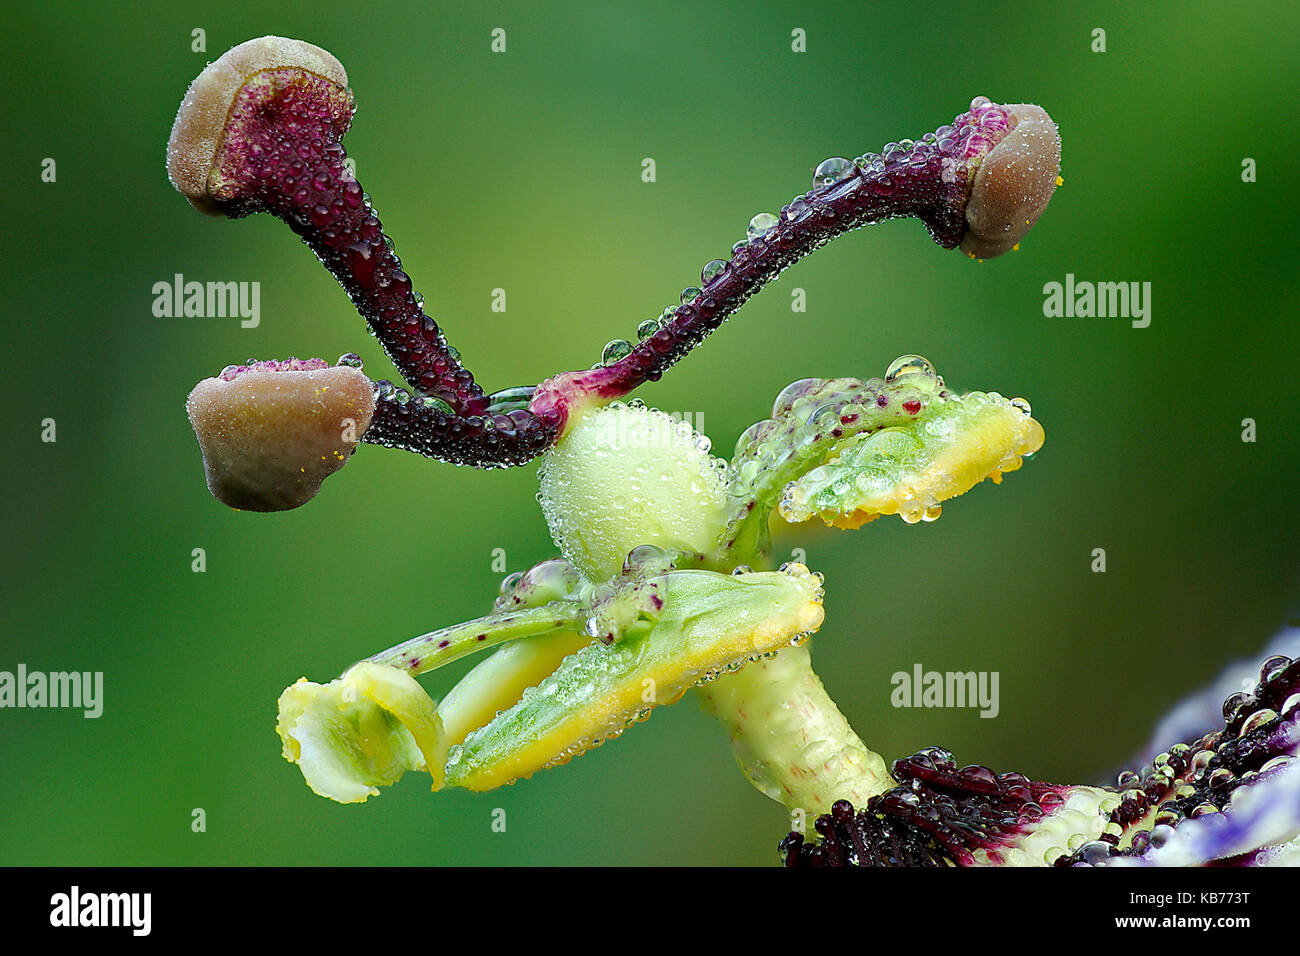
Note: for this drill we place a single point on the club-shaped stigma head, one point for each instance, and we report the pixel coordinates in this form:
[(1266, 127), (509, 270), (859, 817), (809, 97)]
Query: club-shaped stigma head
[(204, 150), (271, 432), (1013, 183)]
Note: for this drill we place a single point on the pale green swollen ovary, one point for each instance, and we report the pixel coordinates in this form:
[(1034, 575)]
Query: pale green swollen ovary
[(625, 476)]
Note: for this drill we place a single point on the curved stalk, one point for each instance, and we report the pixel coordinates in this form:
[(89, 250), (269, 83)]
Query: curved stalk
[(790, 739)]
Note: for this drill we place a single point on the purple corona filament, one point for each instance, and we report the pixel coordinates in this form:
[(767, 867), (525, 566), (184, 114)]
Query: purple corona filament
[(940, 815)]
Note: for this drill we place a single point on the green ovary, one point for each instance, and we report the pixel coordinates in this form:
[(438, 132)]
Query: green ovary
[(625, 476)]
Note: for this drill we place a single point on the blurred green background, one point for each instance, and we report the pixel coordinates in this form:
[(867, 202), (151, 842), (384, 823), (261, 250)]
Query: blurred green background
[(522, 171)]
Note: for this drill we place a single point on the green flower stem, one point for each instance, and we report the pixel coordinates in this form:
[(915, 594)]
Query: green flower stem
[(432, 650), (790, 739)]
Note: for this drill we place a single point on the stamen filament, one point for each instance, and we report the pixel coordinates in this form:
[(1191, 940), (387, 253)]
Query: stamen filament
[(430, 651)]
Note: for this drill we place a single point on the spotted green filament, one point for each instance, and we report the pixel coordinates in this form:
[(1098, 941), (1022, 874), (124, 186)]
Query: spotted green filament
[(429, 651)]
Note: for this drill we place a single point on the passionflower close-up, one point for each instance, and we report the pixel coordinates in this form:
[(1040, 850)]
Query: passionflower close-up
[(654, 593)]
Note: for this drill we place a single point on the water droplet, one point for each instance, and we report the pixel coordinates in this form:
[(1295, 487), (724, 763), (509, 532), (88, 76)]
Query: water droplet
[(712, 269), (646, 329), (908, 365), (795, 209), (615, 349), (1272, 667), (824, 416), (1257, 720), (832, 171), (1219, 776), (689, 293), (351, 359), (1021, 404), (760, 224), (1095, 852), (436, 404), (1168, 816), (792, 392)]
